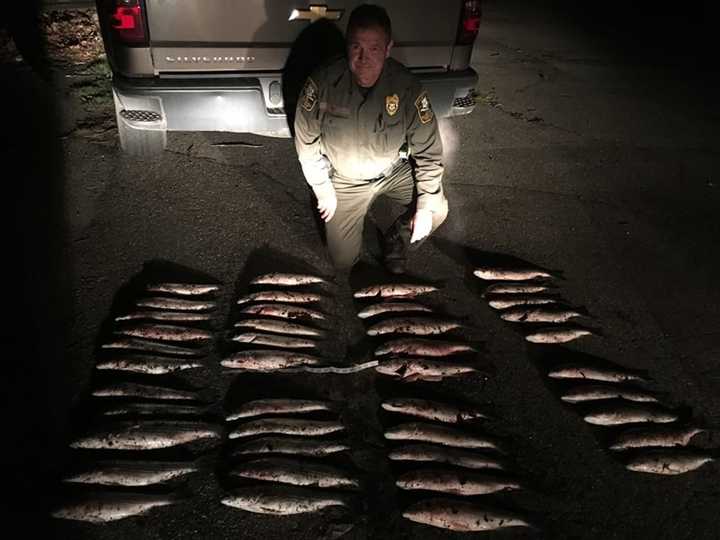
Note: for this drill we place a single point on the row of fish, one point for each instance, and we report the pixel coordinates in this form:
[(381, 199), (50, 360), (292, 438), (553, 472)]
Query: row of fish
[(434, 451), (285, 447), (163, 331), (288, 456), (651, 437), (283, 444), (392, 312), (279, 317), (440, 451), (526, 296), (135, 419)]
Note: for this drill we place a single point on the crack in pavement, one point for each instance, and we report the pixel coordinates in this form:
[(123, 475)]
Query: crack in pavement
[(277, 182), (544, 57), (530, 119), (252, 177), (574, 196), (690, 336)]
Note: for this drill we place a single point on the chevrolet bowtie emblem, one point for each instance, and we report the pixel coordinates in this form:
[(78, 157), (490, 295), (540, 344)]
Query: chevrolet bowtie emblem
[(314, 13)]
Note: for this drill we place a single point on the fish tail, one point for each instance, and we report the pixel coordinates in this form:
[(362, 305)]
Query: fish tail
[(705, 428), (206, 396), (582, 310), (477, 345), (202, 464), (182, 493), (213, 408), (597, 331), (464, 321), (439, 283), (532, 521), (684, 411)]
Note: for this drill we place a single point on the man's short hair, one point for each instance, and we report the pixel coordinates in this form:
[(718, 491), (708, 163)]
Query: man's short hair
[(369, 16)]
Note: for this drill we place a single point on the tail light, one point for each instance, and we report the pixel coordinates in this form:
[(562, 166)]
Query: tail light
[(126, 21), (469, 22)]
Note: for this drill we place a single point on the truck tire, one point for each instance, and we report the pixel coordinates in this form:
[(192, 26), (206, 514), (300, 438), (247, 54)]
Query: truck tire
[(140, 142)]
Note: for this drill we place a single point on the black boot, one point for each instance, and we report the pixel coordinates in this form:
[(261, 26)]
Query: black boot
[(395, 265), (395, 245)]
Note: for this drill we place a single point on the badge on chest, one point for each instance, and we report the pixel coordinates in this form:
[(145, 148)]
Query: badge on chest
[(391, 104)]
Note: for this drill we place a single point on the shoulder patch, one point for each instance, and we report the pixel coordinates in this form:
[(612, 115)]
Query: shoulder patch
[(425, 112), (310, 95)]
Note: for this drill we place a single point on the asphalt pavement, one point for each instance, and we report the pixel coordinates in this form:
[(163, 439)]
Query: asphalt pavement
[(592, 152)]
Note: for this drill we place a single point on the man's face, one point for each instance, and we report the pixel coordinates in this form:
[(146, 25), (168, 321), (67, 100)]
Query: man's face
[(367, 50)]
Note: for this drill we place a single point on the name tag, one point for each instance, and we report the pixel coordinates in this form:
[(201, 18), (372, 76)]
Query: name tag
[(336, 110)]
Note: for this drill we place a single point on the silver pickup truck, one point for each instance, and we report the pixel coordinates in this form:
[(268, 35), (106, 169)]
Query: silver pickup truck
[(239, 65)]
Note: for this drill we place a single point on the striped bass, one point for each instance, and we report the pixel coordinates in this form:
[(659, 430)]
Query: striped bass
[(285, 311), (277, 406), (164, 332), (295, 472), (463, 516), (455, 482), (394, 290), (111, 506), (282, 500), (148, 435), (151, 365), (391, 307), (287, 279), (287, 297), (425, 432), (432, 410), (131, 473), (279, 327), (176, 304), (274, 340), (268, 360), (286, 426), (183, 289)]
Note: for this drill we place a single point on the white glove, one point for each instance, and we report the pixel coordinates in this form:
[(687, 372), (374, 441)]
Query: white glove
[(327, 204), (421, 225), (317, 174)]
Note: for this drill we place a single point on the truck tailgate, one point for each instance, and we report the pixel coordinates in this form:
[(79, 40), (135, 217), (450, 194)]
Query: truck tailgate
[(257, 35)]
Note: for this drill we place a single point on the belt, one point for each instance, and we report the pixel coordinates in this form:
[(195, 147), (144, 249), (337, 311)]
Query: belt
[(388, 171)]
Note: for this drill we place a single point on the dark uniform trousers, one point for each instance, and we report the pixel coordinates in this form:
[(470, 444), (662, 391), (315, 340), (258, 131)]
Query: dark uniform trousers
[(355, 197)]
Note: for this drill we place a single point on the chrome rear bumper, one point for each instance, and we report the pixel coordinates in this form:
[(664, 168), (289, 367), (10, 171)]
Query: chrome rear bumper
[(249, 104)]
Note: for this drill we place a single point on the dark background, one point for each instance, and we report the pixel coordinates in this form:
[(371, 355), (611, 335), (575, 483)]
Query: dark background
[(49, 343)]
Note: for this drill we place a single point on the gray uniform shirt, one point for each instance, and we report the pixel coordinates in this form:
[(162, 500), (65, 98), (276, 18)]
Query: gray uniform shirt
[(361, 135)]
